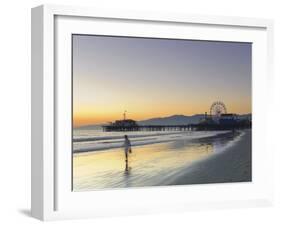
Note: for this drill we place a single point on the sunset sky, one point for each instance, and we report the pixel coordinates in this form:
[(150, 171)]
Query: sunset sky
[(156, 77)]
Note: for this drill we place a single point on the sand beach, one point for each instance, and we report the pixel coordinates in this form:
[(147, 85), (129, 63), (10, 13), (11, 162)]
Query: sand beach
[(223, 157), (231, 165)]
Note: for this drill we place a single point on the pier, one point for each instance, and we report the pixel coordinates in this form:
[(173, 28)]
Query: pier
[(112, 128), (218, 119), (189, 127)]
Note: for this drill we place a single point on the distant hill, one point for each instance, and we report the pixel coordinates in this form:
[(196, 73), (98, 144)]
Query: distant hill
[(170, 120), (181, 120), (173, 120)]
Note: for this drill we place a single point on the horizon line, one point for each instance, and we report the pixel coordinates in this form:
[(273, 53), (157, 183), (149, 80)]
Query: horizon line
[(100, 124)]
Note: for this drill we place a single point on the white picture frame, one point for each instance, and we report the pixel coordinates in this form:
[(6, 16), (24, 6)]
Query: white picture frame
[(51, 195)]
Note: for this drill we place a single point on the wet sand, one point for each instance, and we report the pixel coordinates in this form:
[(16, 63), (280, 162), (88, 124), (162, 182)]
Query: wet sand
[(232, 165), (223, 158)]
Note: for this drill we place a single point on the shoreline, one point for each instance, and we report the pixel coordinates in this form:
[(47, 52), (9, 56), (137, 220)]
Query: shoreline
[(217, 159), (153, 140), (231, 165)]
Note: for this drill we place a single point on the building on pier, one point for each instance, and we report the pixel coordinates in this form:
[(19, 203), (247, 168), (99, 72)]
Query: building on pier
[(124, 123)]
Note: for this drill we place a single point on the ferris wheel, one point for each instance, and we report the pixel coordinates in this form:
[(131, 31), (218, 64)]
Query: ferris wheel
[(217, 108)]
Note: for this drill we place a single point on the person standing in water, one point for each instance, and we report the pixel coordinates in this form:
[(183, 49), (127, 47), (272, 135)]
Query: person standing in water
[(127, 149)]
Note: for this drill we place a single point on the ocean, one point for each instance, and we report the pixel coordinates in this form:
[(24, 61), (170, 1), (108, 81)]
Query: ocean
[(99, 161), (85, 140)]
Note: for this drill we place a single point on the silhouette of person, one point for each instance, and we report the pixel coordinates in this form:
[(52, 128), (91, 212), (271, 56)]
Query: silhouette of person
[(127, 149)]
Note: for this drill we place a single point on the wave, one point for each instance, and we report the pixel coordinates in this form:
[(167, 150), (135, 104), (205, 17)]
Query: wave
[(113, 137), (101, 143)]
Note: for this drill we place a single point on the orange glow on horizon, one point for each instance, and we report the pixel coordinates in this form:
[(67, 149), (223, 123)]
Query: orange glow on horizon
[(91, 117)]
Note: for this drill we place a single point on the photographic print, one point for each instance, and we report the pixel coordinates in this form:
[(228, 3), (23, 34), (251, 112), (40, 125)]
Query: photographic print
[(160, 112)]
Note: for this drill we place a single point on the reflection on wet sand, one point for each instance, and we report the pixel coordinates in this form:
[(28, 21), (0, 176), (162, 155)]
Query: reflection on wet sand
[(147, 165)]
